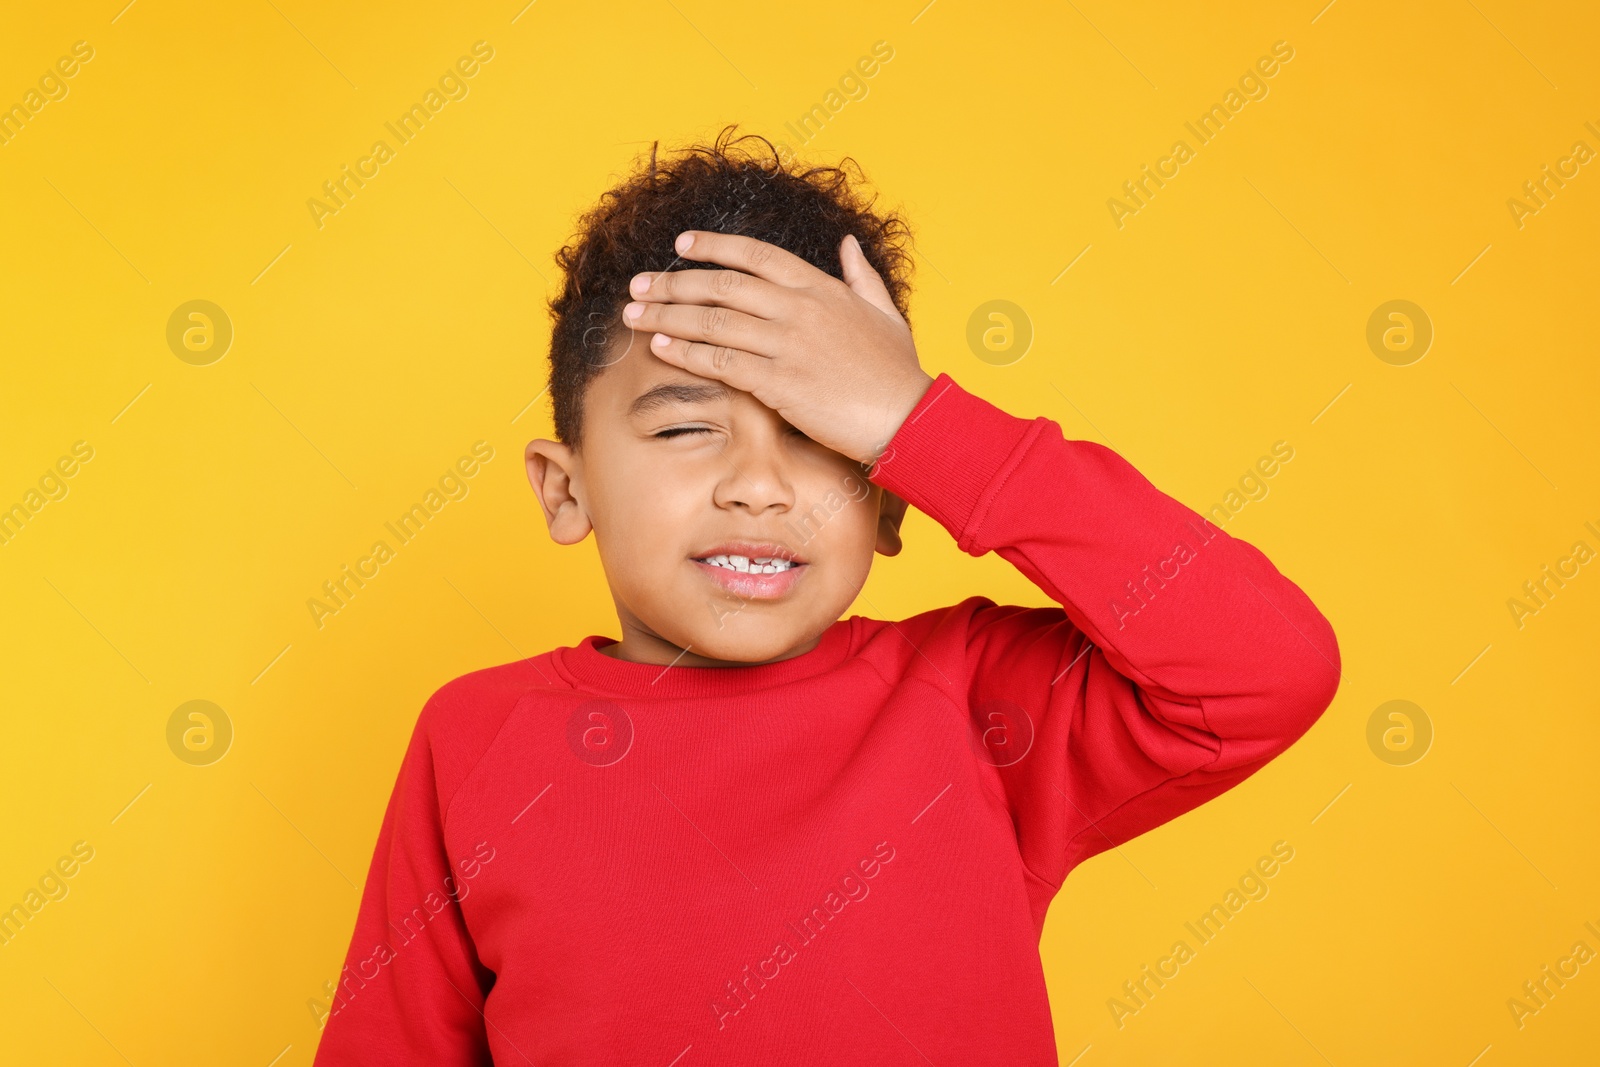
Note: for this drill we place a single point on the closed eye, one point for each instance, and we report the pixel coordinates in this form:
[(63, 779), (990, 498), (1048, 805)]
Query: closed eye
[(676, 431)]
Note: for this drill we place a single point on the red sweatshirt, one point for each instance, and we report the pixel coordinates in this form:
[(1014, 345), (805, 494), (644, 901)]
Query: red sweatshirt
[(846, 856)]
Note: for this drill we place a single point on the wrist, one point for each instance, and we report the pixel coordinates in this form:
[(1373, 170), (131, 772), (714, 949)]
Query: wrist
[(904, 403), (950, 454)]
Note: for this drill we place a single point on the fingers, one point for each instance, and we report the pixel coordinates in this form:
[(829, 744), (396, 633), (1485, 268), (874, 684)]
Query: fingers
[(738, 368), (863, 280), (708, 323), (723, 288), (768, 261)]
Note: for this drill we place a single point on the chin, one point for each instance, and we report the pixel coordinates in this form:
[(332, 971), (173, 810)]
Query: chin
[(755, 642)]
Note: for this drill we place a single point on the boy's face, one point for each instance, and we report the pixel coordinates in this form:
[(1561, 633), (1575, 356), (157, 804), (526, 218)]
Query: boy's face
[(675, 468)]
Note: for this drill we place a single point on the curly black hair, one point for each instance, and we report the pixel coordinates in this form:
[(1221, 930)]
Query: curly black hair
[(745, 185)]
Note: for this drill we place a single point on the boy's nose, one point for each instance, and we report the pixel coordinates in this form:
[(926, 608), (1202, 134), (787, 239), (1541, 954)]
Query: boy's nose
[(757, 479)]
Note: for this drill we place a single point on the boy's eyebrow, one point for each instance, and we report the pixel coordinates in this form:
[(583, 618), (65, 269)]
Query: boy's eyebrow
[(677, 392)]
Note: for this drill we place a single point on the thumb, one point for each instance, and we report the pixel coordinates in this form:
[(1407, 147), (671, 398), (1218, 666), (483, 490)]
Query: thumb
[(863, 280)]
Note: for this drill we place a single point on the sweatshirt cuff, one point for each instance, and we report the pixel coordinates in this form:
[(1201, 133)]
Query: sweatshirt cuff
[(950, 455)]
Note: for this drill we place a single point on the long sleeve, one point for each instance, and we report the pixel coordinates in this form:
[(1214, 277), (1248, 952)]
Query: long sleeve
[(412, 989), (1178, 662)]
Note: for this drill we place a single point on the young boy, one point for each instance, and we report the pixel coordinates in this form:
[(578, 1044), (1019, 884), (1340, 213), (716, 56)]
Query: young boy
[(749, 831)]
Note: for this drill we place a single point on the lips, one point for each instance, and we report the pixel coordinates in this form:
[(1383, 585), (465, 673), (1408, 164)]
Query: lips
[(752, 570)]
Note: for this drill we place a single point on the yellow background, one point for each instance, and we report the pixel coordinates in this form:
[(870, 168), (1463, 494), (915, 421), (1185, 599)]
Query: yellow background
[(370, 354)]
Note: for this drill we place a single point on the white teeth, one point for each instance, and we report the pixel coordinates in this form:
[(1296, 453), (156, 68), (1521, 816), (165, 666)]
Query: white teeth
[(745, 565)]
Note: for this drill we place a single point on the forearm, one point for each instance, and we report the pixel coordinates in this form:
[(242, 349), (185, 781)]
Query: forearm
[(1202, 622)]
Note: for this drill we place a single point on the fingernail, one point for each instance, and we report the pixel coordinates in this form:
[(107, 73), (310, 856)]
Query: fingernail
[(683, 242), (660, 340), (640, 284), (633, 311)]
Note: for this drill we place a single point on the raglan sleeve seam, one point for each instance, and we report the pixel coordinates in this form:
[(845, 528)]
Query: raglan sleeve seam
[(455, 792)]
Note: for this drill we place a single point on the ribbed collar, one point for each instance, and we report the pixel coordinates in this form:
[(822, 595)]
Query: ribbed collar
[(589, 669)]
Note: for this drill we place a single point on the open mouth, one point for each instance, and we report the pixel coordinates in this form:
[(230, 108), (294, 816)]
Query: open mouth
[(751, 565), (752, 571)]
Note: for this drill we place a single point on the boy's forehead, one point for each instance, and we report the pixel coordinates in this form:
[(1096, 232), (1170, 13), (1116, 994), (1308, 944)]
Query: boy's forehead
[(636, 381)]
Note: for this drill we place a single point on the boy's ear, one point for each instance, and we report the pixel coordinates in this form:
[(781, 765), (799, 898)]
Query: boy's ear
[(891, 512), (552, 467)]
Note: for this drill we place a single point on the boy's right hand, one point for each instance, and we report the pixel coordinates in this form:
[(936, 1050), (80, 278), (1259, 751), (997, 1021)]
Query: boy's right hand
[(834, 358)]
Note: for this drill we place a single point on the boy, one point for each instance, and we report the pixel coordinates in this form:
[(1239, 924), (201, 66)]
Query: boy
[(749, 831)]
